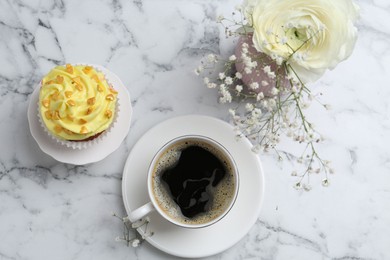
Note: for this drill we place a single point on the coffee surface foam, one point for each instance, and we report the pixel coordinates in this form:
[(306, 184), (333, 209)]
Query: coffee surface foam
[(223, 193)]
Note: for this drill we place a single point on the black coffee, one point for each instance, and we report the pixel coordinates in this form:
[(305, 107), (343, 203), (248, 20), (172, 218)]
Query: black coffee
[(192, 180)]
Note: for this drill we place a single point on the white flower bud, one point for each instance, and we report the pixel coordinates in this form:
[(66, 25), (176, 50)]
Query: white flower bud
[(135, 242), (254, 85), (247, 70), (267, 69), (232, 112), (232, 58), (264, 83), (229, 80), (249, 106)]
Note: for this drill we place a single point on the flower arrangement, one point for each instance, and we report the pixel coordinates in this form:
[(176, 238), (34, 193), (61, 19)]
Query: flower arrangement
[(282, 46)]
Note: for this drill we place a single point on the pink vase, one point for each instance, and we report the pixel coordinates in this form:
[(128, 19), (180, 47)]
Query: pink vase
[(258, 75)]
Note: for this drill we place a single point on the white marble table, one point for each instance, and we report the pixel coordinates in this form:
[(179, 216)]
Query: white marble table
[(51, 210)]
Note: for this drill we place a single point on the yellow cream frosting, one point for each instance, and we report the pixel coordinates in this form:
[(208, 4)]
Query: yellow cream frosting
[(76, 102)]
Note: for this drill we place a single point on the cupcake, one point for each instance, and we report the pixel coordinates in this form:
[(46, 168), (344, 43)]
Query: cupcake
[(76, 103)]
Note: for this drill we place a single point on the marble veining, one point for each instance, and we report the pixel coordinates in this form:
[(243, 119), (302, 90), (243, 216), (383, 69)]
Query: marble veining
[(51, 210)]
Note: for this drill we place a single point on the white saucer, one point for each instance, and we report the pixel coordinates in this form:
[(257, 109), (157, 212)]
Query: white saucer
[(95, 152), (210, 240)]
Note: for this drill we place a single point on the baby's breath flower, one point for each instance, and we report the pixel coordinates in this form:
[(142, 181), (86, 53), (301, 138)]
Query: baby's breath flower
[(135, 242), (271, 74), (298, 185), (232, 58), (274, 91), (212, 58), (226, 97), (275, 97), (256, 112), (252, 64), (211, 85), (271, 103), (254, 85), (198, 71), (267, 69), (228, 80), (259, 96), (232, 112), (130, 235), (325, 182), (264, 83), (306, 187), (264, 103), (249, 106), (248, 70), (279, 60)]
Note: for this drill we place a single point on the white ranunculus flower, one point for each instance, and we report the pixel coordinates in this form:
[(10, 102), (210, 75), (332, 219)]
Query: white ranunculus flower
[(312, 35)]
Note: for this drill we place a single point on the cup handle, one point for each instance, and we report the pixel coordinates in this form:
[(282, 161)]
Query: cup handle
[(141, 212)]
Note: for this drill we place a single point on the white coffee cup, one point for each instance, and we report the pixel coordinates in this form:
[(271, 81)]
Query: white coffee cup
[(164, 204)]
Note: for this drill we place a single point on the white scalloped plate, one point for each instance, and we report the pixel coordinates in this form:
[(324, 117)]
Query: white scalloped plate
[(193, 243), (96, 151)]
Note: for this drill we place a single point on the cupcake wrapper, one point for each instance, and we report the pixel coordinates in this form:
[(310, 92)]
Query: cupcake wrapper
[(84, 144)]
